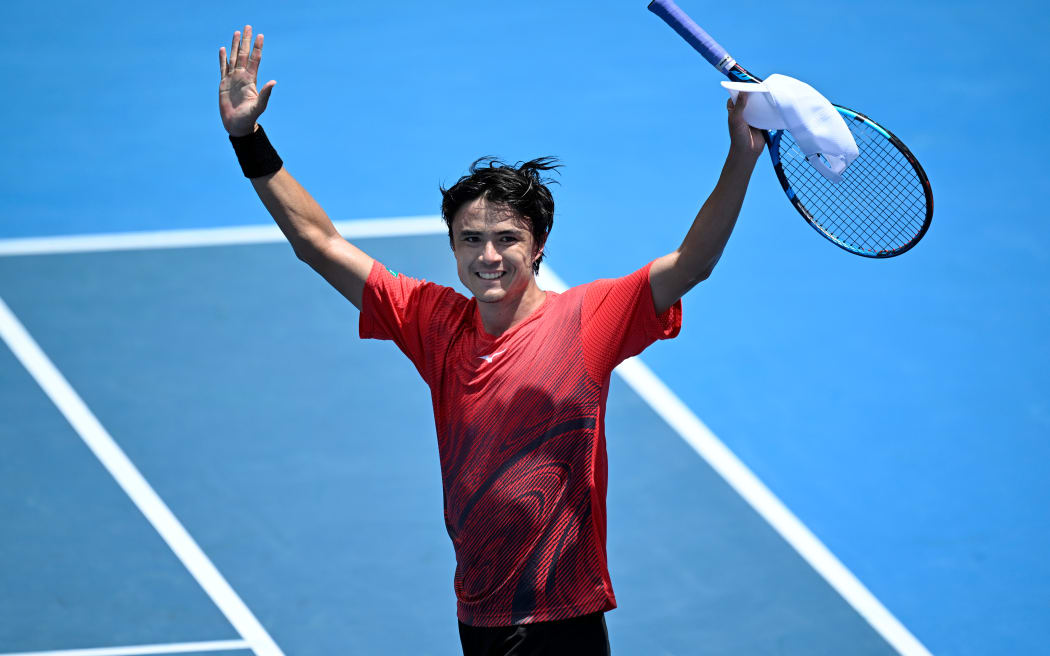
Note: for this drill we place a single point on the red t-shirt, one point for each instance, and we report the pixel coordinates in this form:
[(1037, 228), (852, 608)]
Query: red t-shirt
[(520, 426)]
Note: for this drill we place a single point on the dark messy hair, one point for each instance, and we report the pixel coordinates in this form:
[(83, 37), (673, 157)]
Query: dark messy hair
[(519, 187)]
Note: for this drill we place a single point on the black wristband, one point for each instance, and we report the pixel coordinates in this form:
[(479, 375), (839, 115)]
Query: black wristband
[(255, 154)]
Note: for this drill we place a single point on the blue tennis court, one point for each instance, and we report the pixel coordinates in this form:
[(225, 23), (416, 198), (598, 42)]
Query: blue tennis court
[(836, 456)]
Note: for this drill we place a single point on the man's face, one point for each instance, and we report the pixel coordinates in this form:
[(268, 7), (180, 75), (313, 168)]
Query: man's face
[(494, 250)]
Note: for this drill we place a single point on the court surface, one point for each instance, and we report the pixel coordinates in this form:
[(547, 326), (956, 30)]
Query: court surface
[(198, 455)]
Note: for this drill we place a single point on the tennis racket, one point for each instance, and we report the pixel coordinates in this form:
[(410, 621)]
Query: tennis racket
[(882, 206)]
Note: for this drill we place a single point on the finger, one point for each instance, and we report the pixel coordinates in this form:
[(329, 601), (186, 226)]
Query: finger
[(255, 57), (736, 106), (223, 64), (264, 95), (234, 47), (246, 46)]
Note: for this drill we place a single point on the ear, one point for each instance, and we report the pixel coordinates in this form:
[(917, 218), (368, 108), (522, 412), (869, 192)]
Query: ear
[(539, 252)]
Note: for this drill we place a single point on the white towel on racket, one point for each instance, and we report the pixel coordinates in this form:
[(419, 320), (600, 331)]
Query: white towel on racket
[(784, 103)]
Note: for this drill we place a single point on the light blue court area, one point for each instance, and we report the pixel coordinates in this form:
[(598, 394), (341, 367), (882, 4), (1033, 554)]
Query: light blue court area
[(899, 409), (303, 461)]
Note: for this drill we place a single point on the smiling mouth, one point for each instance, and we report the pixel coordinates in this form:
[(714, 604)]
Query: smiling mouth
[(493, 275)]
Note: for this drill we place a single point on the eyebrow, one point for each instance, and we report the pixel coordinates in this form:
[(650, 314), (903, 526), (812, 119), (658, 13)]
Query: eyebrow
[(472, 233)]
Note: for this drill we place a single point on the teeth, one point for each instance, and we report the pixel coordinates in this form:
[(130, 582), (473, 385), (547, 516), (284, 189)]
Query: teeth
[(490, 276)]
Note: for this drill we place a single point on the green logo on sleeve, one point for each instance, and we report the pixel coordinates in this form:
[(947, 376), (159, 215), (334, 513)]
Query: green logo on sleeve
[(392, 272)]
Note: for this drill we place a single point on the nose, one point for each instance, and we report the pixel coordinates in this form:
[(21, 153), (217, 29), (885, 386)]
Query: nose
[(489, 254)]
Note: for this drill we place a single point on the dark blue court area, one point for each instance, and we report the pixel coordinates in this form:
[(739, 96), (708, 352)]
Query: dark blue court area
[(302, 460), (837, 456)]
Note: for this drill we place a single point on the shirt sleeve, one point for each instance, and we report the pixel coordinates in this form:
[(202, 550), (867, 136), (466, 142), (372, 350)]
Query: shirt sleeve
[(406, 311), (619, 321)]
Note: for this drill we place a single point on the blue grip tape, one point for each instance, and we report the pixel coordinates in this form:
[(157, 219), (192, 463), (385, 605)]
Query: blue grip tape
[(690, 31)]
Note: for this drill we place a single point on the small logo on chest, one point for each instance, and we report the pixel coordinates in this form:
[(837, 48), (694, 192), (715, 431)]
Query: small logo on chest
[(488, 358)]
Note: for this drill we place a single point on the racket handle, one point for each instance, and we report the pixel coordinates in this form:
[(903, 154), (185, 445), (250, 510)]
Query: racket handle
[(693, 33)]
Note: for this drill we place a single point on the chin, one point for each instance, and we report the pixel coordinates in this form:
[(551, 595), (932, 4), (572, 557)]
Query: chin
[(491, 296)]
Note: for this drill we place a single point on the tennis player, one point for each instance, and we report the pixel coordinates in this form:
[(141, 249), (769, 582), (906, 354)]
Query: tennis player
[(519, 376)]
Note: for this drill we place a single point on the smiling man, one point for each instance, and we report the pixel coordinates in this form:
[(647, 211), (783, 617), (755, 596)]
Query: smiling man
[(519, 376), (499, 218)]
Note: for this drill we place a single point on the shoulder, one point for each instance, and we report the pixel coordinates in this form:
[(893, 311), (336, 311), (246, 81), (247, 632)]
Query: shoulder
[(414, 299), (383, 277), (631, 284)]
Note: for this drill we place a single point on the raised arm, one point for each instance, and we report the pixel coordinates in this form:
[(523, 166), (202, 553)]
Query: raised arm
[(309, 230), (672, 275)]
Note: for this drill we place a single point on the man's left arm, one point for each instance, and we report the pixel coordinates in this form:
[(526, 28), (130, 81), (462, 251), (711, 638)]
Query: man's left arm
[(672, 275)]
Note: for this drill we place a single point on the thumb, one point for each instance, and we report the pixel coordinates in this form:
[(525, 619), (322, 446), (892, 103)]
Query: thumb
[(264, 95)]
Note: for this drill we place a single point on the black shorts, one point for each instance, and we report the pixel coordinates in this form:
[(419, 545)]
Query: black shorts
[(578, 636)]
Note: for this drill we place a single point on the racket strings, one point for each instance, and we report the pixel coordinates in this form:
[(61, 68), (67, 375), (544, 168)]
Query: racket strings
[(869, 226), (879, 206), (867, 211), (867, 216)]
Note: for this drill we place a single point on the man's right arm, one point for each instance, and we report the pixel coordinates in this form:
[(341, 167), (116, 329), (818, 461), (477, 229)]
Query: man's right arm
[(312, 235), (309, 230)]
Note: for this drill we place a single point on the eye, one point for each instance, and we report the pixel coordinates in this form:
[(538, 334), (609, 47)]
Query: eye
[(507, 239), (470, 239)]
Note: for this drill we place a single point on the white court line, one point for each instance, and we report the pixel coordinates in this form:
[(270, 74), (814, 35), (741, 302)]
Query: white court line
[(172, 648), (666, 404), (127, 475), (238, 235)]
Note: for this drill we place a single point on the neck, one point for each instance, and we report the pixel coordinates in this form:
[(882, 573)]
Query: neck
[(498, 318)]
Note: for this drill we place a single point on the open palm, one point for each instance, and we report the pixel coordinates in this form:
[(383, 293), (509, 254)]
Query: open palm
[(240, 102)]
